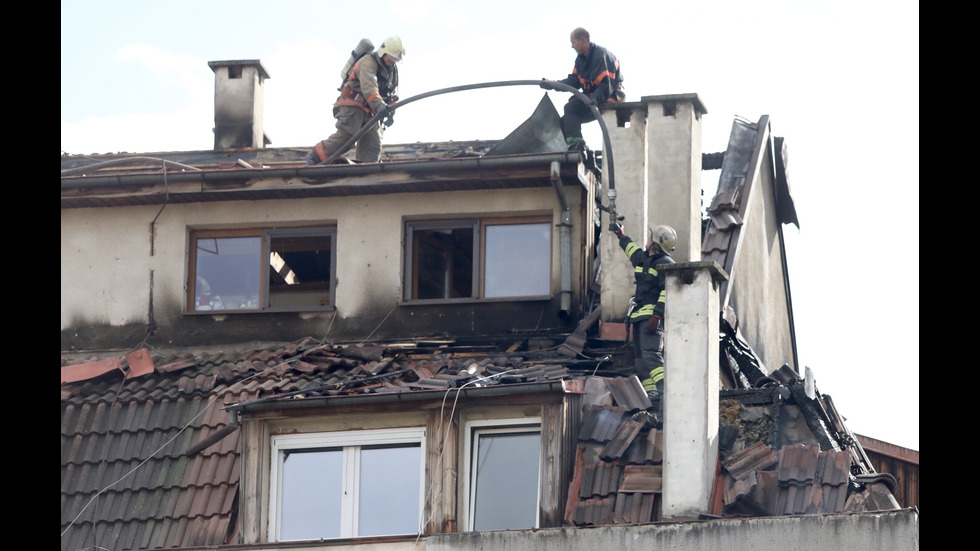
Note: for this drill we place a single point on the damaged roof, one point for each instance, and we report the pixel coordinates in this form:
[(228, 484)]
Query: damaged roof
[(151, 455)]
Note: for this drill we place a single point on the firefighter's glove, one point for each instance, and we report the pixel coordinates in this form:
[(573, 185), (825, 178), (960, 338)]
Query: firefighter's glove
[(616, 229), (387, 115), (653, 324)]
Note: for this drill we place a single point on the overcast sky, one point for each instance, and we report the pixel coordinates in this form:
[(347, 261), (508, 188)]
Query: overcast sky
[(838, 79)]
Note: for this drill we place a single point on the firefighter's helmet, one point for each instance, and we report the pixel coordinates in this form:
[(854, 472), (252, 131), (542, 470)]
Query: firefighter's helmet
[(665, 237), (393, 47)]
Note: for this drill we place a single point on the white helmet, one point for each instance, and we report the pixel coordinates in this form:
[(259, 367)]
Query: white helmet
[(393, 47), (665, 237)]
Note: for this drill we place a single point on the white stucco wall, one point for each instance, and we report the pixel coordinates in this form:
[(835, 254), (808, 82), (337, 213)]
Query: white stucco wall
[(109, 262)]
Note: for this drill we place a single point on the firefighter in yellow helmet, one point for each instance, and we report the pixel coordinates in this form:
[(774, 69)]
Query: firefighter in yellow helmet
[(647, 305), (368, 89)]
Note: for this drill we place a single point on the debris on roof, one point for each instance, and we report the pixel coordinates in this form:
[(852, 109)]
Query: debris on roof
[(166, 439)]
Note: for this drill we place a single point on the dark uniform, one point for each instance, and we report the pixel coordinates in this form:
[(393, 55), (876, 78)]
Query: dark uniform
[(597, 75), (648, 301)]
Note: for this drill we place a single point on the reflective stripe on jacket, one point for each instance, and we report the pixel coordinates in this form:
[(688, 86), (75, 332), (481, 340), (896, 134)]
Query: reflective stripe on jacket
[(599, 67), (651, 291)]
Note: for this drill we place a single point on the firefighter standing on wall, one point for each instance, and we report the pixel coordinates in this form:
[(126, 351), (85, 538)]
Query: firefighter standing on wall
[(647, 305), (367, 91), (596, 72)]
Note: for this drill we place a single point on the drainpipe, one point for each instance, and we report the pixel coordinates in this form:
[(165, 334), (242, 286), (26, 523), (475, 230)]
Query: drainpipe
[(565, 240)]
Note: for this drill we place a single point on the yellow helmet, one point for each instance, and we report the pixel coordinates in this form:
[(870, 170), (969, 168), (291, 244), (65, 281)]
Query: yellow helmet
[(665, 237), (393, 47)]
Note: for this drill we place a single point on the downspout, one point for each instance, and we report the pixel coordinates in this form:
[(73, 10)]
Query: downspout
[(565, 240)]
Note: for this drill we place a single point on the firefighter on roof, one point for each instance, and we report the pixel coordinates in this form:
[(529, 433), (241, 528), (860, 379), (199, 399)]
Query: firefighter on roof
[(368, 90)]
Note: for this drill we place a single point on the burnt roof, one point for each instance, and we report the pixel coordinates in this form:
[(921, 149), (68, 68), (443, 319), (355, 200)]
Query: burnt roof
[(151, 452)]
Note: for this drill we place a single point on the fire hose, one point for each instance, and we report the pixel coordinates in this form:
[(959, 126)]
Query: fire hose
[(543, 83)]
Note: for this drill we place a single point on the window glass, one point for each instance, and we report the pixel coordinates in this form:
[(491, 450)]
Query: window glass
[(444, 259), (346, 484), (311, 492), (386, 472), (504, 478), (441, 256), (518, 260), (227, 273)]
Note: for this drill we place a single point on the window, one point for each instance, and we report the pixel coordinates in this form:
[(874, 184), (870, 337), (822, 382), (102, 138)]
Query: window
[(346, 484), (478, 259), (502, 474), (262, 269)]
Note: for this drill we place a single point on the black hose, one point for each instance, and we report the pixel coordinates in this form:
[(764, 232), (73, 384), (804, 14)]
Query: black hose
[(543, 83)]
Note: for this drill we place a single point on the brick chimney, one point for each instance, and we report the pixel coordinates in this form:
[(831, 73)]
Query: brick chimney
[(238, 97)]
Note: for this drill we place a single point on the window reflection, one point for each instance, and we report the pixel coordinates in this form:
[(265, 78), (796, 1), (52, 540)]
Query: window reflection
[(311, 492), (518, 260), (505, 483), (227, 273)]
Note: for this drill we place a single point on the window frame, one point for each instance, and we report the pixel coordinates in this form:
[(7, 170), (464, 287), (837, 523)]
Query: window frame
[(479, 227), (266, 235), (281, 443), (474, 429)]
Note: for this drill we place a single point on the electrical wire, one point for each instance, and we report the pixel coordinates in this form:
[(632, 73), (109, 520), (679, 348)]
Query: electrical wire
[(378, 326), (442, 442), (165, 444)]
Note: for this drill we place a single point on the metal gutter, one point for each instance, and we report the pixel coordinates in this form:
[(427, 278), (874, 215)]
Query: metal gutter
[(276, 403), (326, 173)]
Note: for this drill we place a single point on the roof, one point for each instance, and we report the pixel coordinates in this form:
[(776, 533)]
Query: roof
[(151, 458)]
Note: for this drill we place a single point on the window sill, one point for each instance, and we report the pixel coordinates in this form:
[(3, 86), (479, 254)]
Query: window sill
[(239, 311), (438, 301)]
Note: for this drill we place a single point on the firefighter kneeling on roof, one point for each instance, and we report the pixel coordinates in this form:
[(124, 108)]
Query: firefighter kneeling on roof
[(647, 305), (367, 90)]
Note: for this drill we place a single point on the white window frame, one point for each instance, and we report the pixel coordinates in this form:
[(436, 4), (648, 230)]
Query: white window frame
[(494, 426), (351, 441)]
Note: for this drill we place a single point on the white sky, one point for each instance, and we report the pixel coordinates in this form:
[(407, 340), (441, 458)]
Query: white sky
[(839, 80)]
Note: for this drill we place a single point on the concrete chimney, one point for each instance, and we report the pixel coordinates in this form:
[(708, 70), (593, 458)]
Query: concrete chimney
[(238, 98), (657, 163), (691, 387)]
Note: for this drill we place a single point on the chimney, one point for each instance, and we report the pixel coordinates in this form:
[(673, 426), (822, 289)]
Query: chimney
[(238, 97)]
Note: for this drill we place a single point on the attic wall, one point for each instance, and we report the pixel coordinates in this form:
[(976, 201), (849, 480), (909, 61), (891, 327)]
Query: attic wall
[(124, 269), (758, 289)]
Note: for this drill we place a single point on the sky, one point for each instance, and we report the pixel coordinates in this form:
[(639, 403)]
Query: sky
[(839, 81)]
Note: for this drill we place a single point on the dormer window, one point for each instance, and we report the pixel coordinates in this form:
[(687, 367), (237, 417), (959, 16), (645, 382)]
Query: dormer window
[(285, 269), (347, 484), (476, 259)]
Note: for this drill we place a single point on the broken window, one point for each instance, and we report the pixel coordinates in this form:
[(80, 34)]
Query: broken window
[(478, 259), (502, 473), (262, 269), (346, 484)]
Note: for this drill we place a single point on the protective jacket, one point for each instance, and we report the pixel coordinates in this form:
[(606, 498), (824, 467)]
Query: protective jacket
[(650, 294), (370, 84), (597, 75)]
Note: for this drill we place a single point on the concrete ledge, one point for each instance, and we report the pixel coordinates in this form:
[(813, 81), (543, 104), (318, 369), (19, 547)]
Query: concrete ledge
[(687, 270)]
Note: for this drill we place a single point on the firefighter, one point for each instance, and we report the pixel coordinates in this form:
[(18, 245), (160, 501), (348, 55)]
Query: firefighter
[(596, 72), (647, 305), (368, 90)]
